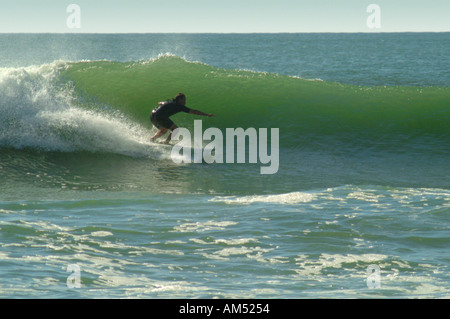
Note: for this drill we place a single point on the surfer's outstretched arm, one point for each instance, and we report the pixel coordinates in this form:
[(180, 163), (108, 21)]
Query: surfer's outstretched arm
[(196, 112)]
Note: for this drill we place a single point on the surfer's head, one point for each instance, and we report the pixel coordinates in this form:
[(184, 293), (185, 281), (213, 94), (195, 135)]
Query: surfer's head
[(180, 98)]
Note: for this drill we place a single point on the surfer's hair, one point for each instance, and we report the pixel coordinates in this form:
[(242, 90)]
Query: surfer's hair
[(180, 96)]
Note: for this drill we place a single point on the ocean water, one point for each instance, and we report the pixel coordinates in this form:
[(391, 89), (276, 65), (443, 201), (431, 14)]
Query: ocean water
[(358, 208)]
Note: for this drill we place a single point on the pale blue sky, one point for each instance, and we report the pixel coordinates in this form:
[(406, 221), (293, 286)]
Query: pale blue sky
[(223, 16)]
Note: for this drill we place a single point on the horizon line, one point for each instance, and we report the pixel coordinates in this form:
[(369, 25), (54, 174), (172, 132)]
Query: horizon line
[(281, 32)]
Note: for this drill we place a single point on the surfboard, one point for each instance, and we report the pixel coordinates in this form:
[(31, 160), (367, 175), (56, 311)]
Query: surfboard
[(161, 143)]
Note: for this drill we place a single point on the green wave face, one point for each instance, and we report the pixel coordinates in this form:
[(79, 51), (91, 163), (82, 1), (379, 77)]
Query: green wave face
[(248, 99)]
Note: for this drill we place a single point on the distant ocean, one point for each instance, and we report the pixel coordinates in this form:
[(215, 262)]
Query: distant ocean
[(359, 208)]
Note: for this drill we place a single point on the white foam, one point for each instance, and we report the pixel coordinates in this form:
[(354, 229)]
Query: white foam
[(101, 233), (288, 198), (365, 196), (228, 242), (308, 266), (37, 111), (203, 226)]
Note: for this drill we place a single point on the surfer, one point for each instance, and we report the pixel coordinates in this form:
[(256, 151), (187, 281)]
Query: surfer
[(164, 110)]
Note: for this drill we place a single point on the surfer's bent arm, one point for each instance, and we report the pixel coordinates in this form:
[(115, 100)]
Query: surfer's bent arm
[(195, 112)]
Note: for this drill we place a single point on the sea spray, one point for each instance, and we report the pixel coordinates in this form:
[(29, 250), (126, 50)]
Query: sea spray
[(40, 111)]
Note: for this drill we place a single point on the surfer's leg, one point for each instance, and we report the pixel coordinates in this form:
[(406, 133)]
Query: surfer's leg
[(161, 132), (172, 128)]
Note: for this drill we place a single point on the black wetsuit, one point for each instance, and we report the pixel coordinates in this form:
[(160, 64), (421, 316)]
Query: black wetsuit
[(160, 115)]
